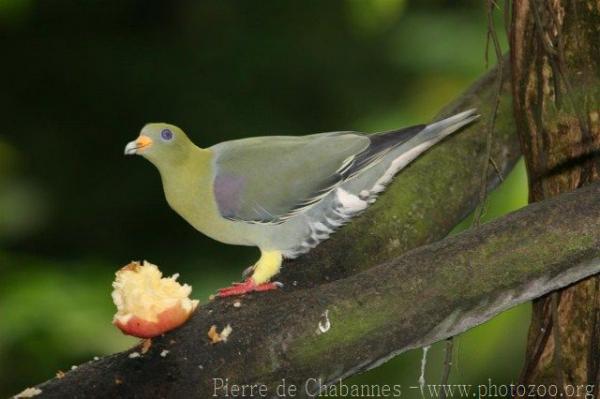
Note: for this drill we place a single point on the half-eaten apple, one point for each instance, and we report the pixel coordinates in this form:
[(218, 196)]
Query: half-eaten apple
[(149, 304)]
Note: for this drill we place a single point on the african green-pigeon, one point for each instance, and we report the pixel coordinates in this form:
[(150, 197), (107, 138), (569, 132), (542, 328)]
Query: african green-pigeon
[(282, 194)]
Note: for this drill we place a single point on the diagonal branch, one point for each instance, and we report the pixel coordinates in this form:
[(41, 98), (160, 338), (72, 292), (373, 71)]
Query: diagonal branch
[(338, 329)]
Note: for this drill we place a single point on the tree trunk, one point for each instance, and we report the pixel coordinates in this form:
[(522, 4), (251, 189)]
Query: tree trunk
[(555, 63)]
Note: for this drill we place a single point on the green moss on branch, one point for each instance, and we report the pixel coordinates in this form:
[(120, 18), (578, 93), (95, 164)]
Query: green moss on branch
[(338, 329)]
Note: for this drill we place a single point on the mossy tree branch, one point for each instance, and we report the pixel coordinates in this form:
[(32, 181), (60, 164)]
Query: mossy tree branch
[(335, 330)]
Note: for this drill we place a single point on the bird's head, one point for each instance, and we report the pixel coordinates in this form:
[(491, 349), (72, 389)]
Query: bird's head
[(161, 143)]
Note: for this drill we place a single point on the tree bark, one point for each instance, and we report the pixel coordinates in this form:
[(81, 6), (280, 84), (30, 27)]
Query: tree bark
[(555, 62), (315, 336)]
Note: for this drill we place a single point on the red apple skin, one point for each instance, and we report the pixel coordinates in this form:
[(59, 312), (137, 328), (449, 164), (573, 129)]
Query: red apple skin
[(168, 320)]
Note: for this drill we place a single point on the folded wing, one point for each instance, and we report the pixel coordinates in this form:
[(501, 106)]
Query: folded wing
[(270, 179)]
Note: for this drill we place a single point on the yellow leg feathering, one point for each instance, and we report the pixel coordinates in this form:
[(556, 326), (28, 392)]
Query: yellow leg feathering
[(267, 266)]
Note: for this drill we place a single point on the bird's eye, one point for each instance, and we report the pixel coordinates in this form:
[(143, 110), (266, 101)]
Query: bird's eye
[(166, 135)]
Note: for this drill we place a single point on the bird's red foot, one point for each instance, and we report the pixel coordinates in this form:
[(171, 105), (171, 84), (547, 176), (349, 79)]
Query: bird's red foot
[(247, 286)]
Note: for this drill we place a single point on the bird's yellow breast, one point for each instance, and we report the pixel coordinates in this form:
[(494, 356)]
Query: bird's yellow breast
[(189, 191)]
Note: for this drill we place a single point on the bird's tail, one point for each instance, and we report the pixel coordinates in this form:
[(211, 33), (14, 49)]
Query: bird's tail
[(436, 131), (423, 139)]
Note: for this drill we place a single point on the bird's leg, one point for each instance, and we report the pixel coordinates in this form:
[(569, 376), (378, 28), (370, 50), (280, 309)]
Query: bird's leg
[(267, 266)]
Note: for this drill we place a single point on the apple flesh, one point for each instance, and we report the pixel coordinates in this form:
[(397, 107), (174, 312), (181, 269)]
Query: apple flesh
[(148, 304)]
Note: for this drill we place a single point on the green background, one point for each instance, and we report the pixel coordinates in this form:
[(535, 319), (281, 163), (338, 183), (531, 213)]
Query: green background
[(80, 78)]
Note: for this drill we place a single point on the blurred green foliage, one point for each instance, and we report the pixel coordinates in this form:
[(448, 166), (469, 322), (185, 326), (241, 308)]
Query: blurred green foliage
[(79, 79)]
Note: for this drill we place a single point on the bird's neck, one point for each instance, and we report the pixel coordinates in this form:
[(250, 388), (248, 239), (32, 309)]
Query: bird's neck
[(193, 168), (188, 184)]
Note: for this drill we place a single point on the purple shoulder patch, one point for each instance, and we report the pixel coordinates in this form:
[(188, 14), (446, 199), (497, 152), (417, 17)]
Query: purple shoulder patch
[(228, 191)]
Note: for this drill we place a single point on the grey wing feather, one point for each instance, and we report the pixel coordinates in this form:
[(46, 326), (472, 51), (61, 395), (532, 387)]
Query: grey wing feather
[(265, 179), (270, 179)]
